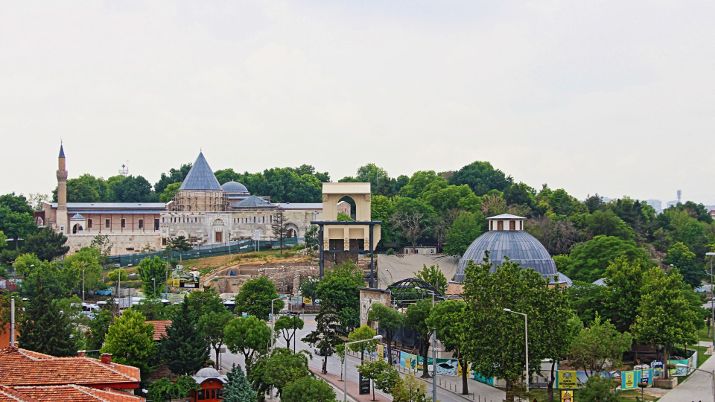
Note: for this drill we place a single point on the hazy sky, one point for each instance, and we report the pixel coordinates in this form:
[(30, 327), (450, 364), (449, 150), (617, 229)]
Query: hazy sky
[(614, 97)]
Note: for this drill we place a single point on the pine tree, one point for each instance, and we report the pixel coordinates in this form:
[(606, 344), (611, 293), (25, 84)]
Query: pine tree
[(45, 328), (238, 389), (185, 349)]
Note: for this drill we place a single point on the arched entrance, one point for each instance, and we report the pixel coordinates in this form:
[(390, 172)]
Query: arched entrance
[(77, 228), (347, 208), (218, 231)]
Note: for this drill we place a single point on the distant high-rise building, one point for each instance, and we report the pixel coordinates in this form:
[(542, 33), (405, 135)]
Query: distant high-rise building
[(656, 204)]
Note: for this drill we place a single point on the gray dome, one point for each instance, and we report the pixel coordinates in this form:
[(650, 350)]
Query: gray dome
[(518, 246), (234, 187), (208, 372)]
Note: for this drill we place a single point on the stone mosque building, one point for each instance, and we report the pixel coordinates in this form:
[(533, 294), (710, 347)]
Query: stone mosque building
[(203, 211)]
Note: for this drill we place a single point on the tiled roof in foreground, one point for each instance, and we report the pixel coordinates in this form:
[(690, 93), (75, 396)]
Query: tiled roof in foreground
[(160, 327), (65, 393), (25, 367)]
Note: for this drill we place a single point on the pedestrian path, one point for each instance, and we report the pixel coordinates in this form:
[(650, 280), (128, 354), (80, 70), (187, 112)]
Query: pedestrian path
[(699, 387), (352, 387)]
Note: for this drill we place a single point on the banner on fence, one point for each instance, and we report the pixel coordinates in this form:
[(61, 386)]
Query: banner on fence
[(566, 379)]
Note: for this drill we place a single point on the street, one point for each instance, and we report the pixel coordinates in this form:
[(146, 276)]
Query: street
[(487, 393)]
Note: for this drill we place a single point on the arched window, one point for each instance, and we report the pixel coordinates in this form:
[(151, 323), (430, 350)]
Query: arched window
[(347, 208)]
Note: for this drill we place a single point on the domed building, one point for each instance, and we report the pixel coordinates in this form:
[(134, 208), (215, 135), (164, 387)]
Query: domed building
[(506, 239), (235, 190)]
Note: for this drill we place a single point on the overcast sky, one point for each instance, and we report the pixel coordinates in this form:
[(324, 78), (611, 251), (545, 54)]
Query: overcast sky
[(608, 97)]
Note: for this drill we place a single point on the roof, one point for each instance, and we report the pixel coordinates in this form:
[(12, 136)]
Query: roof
[(65, 393), (346, 188), (517, 246), (160, 327), (62, 150), (455, 288), (234, 187), (114, 207), (506, 216), (299, 205), (252, 202), (77, 217), (200, 177), (25, 367), (209, 373)]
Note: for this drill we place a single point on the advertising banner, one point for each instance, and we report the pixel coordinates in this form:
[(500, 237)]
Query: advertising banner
[(567, 396), (566, 379)]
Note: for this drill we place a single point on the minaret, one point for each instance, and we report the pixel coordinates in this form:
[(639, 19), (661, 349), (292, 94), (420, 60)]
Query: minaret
[(61, 217)]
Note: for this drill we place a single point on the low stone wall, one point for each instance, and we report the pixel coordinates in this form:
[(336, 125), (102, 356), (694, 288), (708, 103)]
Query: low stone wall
[(121, 243)]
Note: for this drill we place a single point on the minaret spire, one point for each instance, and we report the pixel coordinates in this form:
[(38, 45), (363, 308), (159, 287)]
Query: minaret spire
[(61, 218)]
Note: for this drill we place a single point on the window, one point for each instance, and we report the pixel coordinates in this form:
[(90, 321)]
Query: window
[(124, 223), (89, 224), (141, 224), (107, 223), (156, 223), (500, 225), (512, 225)]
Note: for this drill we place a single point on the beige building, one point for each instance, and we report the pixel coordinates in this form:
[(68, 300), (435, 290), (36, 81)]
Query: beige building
[(203, 211)]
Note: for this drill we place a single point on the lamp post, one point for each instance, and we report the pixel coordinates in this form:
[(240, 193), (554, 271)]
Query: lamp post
[(153, 280), (345, 366), (433, 340), (273, 323), (712, 294), (526, 343)]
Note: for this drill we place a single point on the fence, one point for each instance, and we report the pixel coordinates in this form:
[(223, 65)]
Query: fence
[(236, 247)]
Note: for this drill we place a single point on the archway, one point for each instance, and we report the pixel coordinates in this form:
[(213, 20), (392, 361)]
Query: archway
[(347, 208), (77, 228), (291, 231)]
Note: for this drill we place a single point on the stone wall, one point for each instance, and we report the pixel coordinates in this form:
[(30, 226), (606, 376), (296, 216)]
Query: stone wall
[(121, 243)]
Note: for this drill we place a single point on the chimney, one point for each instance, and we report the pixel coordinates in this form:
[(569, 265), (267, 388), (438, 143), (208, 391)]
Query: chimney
[(81, 353), (106, 358)]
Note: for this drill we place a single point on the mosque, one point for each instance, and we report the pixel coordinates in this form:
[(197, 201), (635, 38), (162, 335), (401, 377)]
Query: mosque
[(203, 211)]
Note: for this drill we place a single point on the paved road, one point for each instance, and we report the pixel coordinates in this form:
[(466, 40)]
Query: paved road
[(334, 367), (698, 387)]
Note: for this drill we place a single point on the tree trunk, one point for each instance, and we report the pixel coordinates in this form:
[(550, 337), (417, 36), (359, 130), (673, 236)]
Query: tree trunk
[(325, 364), (217, 349), (389, 351), (465, 369), (550, 388), (373, 389), (509, 391), (425, 366), (666, 354)]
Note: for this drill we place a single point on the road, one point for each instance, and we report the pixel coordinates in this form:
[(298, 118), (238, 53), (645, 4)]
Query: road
[(334, 367), (699, 387)]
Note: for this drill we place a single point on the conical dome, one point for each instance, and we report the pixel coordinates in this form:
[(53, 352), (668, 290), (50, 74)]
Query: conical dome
[(200, 177)]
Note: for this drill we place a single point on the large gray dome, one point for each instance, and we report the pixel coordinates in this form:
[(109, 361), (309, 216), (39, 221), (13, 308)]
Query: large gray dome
[(518, 246), (234, 187)]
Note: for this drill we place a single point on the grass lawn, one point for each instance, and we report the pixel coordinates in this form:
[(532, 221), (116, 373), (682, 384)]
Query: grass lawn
[(703, 335)]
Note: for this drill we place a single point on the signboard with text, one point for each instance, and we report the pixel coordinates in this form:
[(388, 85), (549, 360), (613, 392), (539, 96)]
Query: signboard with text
[(567, 379)]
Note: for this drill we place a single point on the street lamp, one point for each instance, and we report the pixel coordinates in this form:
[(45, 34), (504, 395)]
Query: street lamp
[(273, 323), (712, 295), (434, 350), (345, 366), (526, 342)]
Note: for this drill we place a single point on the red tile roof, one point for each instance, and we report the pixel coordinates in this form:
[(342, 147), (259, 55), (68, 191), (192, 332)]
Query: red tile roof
[(160, 327), (65, 393), (25, 367)]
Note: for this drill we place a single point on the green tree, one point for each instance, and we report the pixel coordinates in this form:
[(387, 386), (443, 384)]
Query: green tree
[(481, 177), (339, 291), (152, 271), (390, 321), (85, 263), (666, 314), (174, 176), (45, 327), (309, 288), (416, 319), (255, 297), (204, 302), (326, 335), (46, 244), (312, 242), (451, 198), (500, 351), (249, 336), (278, 369), (85, 188), (449, 319), (169, 192), (598, 346), (606, 223), (308, 389), (419, 182), (238, 389), (163, 390), (287, 325), (410, 389), (103, 245), (211, 326), (382, 375), (680, 257), (178, 243), (434, 276), (412, 219), (279, 227), (588, 300), (590, 259), (557, 235), (129, 340), (362, 333), (624, 281), (130, 189), (598, 389), (466, 227), (98, 328), (185, 348)]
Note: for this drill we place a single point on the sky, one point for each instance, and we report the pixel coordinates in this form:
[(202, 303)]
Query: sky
[(608, 97)]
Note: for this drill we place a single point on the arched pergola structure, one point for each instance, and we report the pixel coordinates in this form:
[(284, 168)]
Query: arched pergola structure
[(410, 290)]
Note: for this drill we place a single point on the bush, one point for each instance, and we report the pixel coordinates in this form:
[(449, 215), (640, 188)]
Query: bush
[(598, 389)]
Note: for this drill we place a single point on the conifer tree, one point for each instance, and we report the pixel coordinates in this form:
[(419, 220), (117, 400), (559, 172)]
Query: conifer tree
[(185, 348), (238, 389), (45, 328)]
